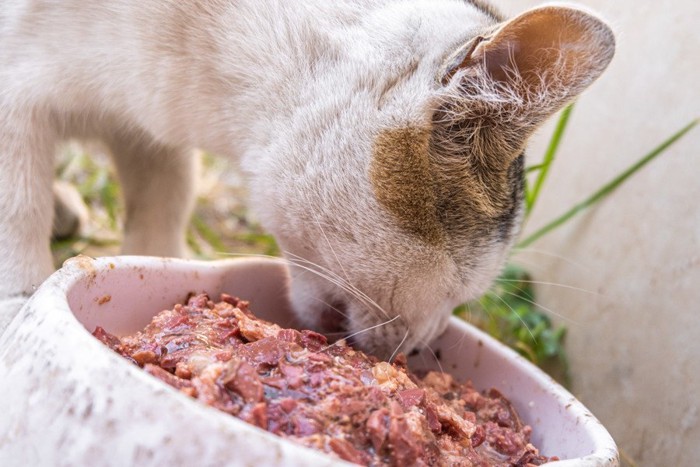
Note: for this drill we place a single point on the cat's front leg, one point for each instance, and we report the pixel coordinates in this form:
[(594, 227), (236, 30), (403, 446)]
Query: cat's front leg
[(27, 143), (158, 183)]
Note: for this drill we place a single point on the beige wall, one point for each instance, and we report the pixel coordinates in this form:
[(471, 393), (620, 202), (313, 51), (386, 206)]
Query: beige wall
[(634, 327)]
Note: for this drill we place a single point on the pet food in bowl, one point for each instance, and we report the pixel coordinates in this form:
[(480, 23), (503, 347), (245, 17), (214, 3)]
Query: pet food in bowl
[(325, 396)]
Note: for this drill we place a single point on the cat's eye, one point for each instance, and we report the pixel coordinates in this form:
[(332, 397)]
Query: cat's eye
[(459, 59)]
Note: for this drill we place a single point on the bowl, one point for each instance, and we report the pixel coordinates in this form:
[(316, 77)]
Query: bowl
[(69, 400)]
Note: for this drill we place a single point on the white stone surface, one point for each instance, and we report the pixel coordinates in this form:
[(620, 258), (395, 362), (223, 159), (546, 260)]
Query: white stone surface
[(634, 332)]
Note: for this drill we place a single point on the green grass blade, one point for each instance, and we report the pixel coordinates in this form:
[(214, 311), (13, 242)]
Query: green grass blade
[(532, 194), (208, 234), (607, 188), (533, 168)]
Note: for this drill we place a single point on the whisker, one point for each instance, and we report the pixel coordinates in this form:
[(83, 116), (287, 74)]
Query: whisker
[(530, 265), (332, 279), (405, 336), (329, 276), (548, 310), (437, 360), (363, 331), (552, 255), (469, 309), (326, 274), (323, 232), (330, 306), (555, 284), (513, 311), (256, 255), (347, 286), (341, 334), (374, 327)]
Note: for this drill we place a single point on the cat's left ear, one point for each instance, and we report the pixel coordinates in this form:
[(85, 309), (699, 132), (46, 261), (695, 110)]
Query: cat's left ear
[(503, 84), (552, 49)]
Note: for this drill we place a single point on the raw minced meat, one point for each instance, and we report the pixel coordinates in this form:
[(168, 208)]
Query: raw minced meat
[(325, 396)]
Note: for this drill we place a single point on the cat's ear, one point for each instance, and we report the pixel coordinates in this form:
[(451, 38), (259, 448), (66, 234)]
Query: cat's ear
[(503, 84), (551, 46)]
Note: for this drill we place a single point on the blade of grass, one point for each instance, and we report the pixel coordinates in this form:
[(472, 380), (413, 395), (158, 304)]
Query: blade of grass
[(533, 168), (532, 194), (607, 188), (208, 234), (193, 243)]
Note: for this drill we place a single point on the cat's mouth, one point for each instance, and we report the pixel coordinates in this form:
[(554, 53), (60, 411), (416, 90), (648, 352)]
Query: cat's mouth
[(333, 321)]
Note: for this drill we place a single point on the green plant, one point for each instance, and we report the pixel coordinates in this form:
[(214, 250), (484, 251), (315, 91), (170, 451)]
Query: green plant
[(509, 311)]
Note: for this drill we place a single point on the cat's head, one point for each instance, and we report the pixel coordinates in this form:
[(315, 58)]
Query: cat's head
[(396, 192)]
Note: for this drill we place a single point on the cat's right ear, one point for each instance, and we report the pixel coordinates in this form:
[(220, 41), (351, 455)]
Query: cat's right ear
[(554, 50)]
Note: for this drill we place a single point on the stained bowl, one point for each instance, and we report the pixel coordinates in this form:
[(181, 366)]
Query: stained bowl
[(69, 400)]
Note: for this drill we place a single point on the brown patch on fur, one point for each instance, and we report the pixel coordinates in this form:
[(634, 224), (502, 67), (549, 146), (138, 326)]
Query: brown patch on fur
[(435, 195), (403, 183)]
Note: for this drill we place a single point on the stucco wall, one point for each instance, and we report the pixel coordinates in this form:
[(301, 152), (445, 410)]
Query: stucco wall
[(634, 261)]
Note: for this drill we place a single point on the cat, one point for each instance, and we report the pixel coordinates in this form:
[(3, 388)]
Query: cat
[(383, 139)]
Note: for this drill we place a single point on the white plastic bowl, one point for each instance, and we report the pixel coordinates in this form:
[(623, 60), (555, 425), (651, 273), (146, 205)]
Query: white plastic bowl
[(66, 399)]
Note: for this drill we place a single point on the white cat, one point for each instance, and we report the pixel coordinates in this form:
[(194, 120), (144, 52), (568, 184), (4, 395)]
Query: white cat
[(383, 138)]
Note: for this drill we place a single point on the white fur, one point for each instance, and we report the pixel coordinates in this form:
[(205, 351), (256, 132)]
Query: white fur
[(297, 90)]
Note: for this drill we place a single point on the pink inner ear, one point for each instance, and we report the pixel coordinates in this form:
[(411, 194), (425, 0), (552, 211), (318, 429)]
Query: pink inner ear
[(557, 43), (499, 59)]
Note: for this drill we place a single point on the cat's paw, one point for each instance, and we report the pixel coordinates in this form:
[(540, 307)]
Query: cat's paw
[(70, 212), (9, 307)]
